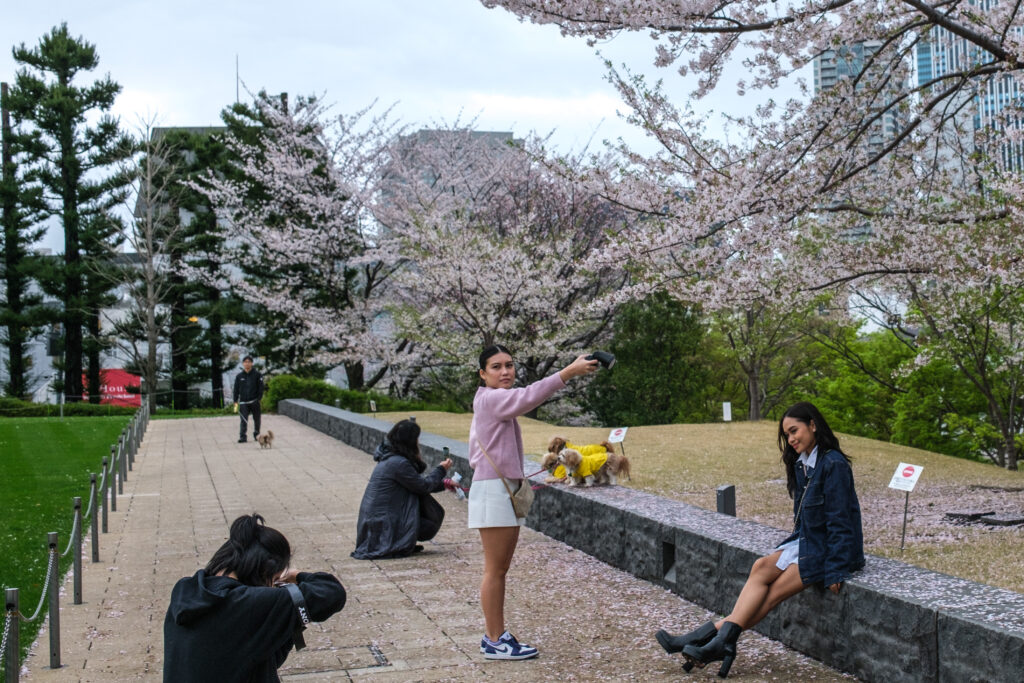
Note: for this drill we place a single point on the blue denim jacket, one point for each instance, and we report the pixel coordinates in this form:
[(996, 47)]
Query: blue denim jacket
[(829, 526)]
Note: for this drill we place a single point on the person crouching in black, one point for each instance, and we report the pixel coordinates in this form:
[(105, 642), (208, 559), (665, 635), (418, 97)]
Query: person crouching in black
[(247, 394), (397, 509), (236, 619)]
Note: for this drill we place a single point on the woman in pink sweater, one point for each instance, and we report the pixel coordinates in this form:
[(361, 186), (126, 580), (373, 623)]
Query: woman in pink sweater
[(496, 431)]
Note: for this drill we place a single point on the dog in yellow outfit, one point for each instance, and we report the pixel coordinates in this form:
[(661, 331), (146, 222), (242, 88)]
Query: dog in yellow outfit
[(556, 470), (582, 469)]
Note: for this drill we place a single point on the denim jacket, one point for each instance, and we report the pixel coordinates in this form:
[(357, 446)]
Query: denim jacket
[(828, 526)]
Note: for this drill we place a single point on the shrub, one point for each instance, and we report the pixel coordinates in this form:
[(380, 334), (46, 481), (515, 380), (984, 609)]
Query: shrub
[(14, 407), (282, 387)]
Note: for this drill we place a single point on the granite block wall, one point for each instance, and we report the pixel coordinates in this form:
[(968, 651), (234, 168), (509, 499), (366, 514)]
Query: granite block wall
[(893, 622)]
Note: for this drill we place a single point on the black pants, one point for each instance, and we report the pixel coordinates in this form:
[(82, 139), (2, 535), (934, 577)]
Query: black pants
[(244, 411)]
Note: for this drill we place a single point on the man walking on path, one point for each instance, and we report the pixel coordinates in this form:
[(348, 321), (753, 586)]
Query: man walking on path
[(247, 395)]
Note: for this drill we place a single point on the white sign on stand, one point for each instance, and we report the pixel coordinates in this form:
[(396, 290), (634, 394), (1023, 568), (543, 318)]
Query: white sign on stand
[(905, 477), (727, 411), (617, 436)]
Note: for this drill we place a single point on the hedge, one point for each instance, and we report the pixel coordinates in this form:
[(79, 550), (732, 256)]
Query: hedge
[(281, 387), (14, 407)]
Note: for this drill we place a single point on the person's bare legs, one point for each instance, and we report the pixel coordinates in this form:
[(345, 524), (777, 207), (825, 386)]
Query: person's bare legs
[(499, 546), (765, 588)]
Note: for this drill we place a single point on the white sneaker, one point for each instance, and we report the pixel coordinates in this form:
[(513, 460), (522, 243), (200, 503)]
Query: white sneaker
[(507, 647)]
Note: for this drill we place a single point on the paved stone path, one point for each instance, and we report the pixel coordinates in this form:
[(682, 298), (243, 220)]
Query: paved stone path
[(413, 619)]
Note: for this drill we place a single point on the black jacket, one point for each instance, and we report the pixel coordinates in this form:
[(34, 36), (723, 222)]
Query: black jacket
[(248, 387), (397, 509), (218, 629)]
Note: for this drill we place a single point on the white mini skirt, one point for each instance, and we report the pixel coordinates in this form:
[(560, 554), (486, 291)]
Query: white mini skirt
[(790, 554), (490, 505)]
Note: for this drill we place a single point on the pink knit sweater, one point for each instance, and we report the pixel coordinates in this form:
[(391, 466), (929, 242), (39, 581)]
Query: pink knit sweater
[(495, 426)]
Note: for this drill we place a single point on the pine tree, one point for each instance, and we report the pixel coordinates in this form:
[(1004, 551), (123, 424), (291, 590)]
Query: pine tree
[(80, 166), (22, 206)]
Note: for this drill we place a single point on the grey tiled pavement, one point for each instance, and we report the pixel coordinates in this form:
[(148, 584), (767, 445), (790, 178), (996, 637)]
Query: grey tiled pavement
[(406, 620)]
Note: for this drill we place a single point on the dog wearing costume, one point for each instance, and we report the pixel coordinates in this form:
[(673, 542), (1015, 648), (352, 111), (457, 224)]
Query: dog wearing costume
[(582, 469), (557, 472)]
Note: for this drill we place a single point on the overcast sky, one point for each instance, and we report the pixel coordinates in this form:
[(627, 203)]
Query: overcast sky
[(439, 60)]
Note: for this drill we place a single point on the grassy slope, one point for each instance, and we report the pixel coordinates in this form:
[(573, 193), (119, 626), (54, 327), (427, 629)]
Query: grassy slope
[(45, 463), (688, 462)]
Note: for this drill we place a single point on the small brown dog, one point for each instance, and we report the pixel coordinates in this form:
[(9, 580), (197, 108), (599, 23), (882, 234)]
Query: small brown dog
[(266, 439), (589, 469), (557, 444)]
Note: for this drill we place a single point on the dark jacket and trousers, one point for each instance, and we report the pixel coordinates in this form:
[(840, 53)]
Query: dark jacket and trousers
[(218, 629), (248, 392), (397, 509)]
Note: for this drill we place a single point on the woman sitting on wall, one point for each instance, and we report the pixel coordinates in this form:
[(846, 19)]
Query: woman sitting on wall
[(826, 546)]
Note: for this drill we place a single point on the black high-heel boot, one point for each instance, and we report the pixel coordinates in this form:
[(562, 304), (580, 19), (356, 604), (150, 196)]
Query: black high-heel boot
[(721, 647), (699, 636)]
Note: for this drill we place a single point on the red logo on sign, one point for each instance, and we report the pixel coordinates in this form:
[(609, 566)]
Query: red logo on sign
[(617, 432), (908, 471)]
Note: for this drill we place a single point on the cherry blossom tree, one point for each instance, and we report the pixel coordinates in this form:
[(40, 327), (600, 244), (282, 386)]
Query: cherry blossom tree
[(496, 236), (297, 215), (881, 183), (822, 158)]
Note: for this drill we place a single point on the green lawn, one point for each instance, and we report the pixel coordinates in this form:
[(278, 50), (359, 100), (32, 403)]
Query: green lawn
[(45, 463)]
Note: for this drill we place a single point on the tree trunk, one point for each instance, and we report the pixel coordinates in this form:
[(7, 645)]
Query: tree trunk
[(216, 352), (179, 344), (72, 344), (354, 373), (152, 340), (754, 394), (73, 281), (93, 355)]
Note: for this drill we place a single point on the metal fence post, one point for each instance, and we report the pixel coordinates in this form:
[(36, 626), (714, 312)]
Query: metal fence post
[(122, 459), (12, 663), (112, 474), (76, 548), (103, 493), (54, 603), (94, 521)]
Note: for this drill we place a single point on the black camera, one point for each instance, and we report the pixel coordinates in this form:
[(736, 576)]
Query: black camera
[(603, 357)]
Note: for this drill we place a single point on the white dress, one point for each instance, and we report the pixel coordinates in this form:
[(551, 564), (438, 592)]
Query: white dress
[(791, 551)]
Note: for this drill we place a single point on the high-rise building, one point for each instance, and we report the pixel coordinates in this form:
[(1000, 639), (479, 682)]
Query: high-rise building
[(834, 66), (942, 53)]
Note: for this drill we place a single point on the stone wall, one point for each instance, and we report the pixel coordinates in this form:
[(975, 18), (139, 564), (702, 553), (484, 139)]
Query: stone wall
[(893, 622)]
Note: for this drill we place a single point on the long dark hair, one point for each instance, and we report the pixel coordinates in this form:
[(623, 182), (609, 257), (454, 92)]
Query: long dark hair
[(254, 553), (492, 350), (404, 440), (827, 441)]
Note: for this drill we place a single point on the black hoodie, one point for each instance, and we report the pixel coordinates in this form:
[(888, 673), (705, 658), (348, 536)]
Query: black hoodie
[(218, 629)]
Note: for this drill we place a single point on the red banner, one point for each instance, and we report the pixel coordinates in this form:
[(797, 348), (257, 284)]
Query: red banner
[(114, 384)]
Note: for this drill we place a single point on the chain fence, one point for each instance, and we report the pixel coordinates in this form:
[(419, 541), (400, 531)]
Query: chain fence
[(113, 473), (8, 618), (46, 584)]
